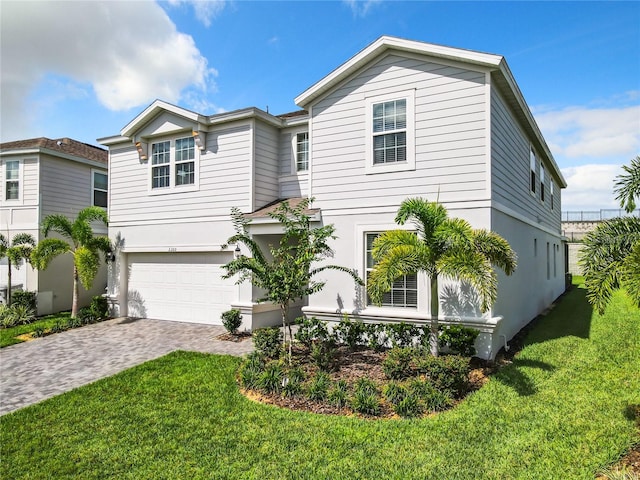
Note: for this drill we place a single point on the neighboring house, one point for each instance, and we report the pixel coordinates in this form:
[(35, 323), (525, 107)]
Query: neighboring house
[(400, 119), (42, 177)]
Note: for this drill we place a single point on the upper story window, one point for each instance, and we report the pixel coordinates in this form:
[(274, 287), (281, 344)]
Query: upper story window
[(99, 188), (12, 180), (404, 292), (390, 132), (541, 183), (551, 193), (173, 164), (532, 162), (302, 151)]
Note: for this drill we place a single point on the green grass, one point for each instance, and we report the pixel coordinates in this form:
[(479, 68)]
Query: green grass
[(562, 410), (8, 335)]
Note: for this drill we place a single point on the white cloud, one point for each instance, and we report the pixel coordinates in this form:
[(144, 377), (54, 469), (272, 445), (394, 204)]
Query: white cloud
[(360, 8), (596, 133), (129, 53), (590, 187), (205, 10)]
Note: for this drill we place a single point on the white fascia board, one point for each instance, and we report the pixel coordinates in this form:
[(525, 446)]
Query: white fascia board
[(297, 121), (505, 71), (153, 110), (54, 153), (393, 43), (112, 140), (244, 114)]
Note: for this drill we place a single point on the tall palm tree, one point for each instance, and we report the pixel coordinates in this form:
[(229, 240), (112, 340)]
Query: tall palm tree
[(80, 242), (627, 185), (440, 247), (20, 248)]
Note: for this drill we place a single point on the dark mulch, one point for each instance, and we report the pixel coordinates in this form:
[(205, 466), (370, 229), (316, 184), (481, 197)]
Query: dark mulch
[(234, 337), (353, 365)]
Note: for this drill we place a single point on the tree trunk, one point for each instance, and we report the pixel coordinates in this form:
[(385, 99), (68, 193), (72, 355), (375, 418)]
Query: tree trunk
[(74, 302), (435, 312), (8, 282)]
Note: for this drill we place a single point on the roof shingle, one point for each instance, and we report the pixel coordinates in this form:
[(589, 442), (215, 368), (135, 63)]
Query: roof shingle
[(63, 145)]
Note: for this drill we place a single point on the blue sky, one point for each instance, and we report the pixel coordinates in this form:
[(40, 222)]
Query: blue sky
[(85, 69)]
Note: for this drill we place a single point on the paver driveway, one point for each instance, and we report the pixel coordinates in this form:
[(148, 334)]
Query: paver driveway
[(45, 367)]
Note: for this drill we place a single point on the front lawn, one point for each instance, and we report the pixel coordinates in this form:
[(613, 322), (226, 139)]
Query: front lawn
[(563, 409)]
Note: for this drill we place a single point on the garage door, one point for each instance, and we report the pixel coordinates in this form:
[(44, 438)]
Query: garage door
[(180, 286)]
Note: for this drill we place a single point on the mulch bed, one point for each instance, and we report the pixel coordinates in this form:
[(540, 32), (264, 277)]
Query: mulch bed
[(234, 337)]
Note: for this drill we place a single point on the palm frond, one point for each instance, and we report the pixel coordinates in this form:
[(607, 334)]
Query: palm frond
[(474, 268), (92, 214), (87, 262), (496, 249), (47, 250), (426, 216), (4, 244), (631, 274), (604, 257), (627, 186), (398, 261), (340, 268), (59, 224), (23, 239)]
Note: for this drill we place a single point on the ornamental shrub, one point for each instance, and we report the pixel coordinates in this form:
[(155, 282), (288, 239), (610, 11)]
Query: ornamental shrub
[(397, 365), (268, 341), (460, 340), (270, 380), (402, 334), (324, 355), (409, 407), (27, 299), (350, 333), (311, 330), (338, 395), (99, 307), (318, 388), (231, 319)]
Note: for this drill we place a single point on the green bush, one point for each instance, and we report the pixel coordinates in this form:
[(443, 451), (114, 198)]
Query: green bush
[(231, 319), (398, 363), (437, 401), (99, 307), (402, 334), (38, 331), (270, 380), (318, 388), (394, 393), (350, 333), (268, 342), (311, 330), (59, 326), (460, 340), (87, 316), (27, 299), (250, 370), (447, 373), (376, 335), (365, 397), (408, 407), (293, 382), (338, 395), (15, 314), (324, 355), (74, 322)]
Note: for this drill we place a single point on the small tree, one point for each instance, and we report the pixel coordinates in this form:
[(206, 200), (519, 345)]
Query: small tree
[(19, 249), (440, 246), (289, 274), (80, 243)]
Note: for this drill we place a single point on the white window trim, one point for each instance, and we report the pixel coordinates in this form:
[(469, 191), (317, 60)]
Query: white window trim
[(551, 199), (410, 164), (20, 199), (542, 183), (173, 188), (93, 188), (294, 152)]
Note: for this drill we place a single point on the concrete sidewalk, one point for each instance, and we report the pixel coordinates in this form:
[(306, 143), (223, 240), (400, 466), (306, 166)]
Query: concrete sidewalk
[(42, 368)]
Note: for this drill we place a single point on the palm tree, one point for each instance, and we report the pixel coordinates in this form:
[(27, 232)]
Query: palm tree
[(627, 185), (20, 248), (81, 243), (610, 257), (440, 246)]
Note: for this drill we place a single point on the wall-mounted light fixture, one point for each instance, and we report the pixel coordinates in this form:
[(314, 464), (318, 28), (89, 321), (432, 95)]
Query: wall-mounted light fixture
[(110, 256), (236, 252), (201, 140), (142, 151)]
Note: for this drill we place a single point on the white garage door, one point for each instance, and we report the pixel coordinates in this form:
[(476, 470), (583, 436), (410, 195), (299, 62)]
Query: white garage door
[(180, 286)]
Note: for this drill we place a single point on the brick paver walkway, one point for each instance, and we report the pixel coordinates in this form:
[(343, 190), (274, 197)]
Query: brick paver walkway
[(39, 369)]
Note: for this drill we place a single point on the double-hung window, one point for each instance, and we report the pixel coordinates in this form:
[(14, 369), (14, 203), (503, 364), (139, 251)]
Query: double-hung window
[(551, 193), (12, 180), (173, 164), (532, 166), (160, 165), (390, 132), (541, 183), (404, 292), (99, 189), (302, 151)]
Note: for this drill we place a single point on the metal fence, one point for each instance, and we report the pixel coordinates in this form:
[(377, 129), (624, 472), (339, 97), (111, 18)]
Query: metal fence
[(597, 216)]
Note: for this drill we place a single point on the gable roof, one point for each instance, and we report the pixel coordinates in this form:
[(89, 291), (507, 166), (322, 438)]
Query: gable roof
[(496, 64), (63, 147)]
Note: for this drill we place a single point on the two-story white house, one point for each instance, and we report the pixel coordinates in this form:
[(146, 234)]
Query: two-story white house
[(41, 177), (399, 119)]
